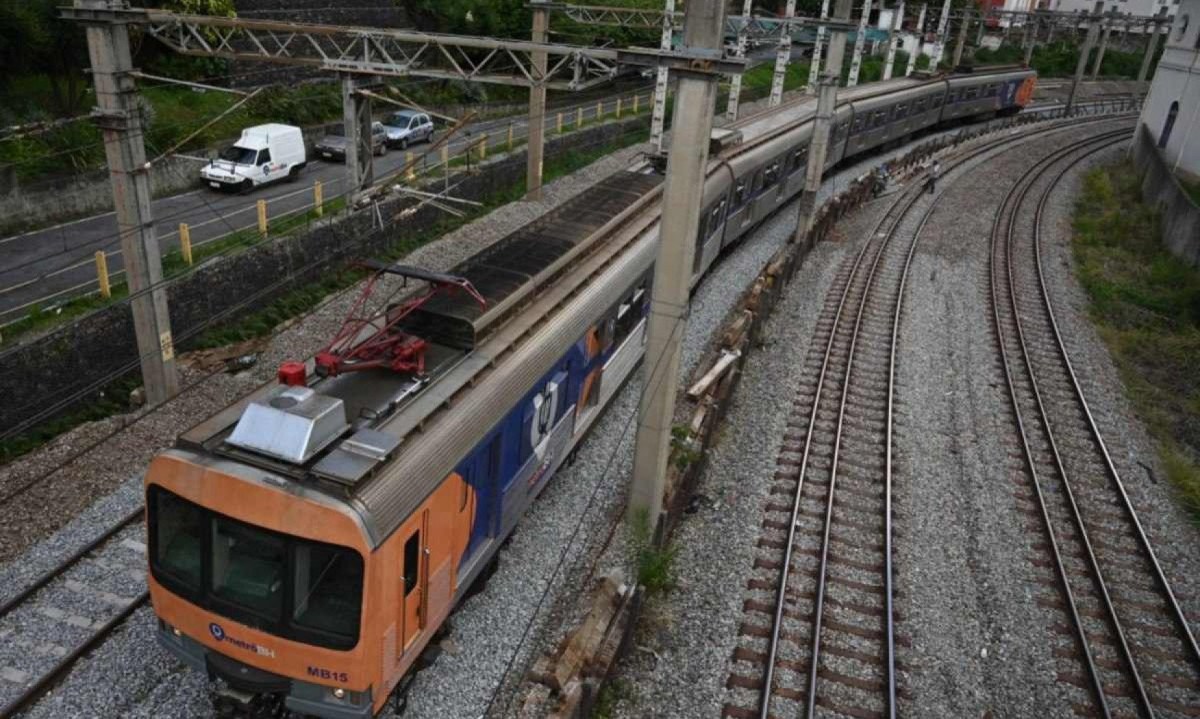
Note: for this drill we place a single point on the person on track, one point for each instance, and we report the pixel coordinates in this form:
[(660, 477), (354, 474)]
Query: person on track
[(935, 171)]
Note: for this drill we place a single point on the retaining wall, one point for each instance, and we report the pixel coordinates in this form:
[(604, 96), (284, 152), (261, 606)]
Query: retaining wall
[(56, 372), (1161, 188)]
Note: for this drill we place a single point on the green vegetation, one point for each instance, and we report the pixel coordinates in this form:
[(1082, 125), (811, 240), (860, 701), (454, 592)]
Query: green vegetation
[(1193, 189), (1059, 60), (1146, 304), (293, 304), (613, 693), (655, 564)]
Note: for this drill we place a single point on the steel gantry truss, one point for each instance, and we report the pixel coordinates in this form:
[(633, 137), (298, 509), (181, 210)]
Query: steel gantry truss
[(372, 51)]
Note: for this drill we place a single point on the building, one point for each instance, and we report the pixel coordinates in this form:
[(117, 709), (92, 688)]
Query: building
[(1137, 8), (1172, 109)]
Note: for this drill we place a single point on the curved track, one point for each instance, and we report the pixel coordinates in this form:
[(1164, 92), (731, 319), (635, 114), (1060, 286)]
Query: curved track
[(834, 646), (1127, 630)]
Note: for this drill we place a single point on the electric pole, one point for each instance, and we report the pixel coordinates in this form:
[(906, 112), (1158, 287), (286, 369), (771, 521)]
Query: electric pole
[(1089, 39), (119, 118), (537, 105), (658, 113), (683, 192), (893, 39), (783, 53), (735, 85), (818, 148)]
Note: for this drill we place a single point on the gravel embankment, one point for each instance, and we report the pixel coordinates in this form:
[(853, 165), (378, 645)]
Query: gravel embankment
[(1171, 531), (966, 587)]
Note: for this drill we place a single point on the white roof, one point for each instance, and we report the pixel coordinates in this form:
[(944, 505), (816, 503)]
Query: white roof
[(256, 137)]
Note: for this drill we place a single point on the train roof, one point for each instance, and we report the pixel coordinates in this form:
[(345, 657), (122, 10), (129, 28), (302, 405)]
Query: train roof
[(338, 430)]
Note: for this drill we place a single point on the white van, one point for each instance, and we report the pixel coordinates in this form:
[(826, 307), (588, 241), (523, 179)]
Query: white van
[(265, 153)]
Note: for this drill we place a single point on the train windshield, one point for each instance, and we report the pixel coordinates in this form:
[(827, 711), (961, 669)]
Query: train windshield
[(285, 585)]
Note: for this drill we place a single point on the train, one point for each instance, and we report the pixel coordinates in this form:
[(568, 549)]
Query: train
[(307, 541)]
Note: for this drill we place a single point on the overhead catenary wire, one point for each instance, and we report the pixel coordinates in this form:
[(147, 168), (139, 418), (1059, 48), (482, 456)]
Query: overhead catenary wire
[(109, 241), (183, 337)]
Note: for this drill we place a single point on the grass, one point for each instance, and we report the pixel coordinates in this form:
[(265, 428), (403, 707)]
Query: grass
[(112, 399), (655, 564), (613, 693), (1059, 60), (1193, 189), (1146, 304)]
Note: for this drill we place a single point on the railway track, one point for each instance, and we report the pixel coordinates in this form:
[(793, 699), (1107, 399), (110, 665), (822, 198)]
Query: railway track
[(68, 611), (1125, 643), (830, 644)]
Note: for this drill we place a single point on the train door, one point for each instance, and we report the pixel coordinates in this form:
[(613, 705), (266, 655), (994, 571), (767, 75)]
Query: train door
[(415, 576)]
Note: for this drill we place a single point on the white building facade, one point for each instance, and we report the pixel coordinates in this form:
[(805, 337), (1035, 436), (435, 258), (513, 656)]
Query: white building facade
[(1140, 8), (1172, 109)]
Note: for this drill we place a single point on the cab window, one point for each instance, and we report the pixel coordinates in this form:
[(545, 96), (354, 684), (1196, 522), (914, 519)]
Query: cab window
[(264, 157), (250, 574)]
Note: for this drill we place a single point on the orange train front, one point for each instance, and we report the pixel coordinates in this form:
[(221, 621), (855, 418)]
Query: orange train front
[(307, 541)]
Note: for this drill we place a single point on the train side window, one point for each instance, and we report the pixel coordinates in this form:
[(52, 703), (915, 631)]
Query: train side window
[(858, 125), (919, 106), (952, 95), (992, 90), (412, 556), (901, 111), (758, 182), (935, 102), (739, 194), (629, 314), (971, 93), (881, 118), (771, 174)]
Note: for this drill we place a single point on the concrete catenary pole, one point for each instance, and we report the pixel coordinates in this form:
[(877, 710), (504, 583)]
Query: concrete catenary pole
[(537, 105), (658, 112), (1103, 46), (356, 121), (814, 68), (893, 40), (939, 47), (735, 85), (818, 147), (683, 193), (119, 118), (860, 39), (1089, 39), (1029, 39), (963, 25), (1152, 35), (920, 33), (982, 27), (783, 53)]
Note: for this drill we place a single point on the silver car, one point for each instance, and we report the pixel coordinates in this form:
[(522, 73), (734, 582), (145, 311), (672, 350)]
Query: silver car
[(407, 127), (333, 145)]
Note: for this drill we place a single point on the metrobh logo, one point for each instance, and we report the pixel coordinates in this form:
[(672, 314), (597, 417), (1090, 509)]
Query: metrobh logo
[(218, 633)]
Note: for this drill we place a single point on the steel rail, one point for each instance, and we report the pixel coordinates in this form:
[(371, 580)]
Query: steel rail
[(1115, 475), (773, 645), (48, 679), (996, 238)]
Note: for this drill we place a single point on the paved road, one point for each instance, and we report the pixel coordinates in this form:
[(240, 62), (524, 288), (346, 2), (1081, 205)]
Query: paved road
[(45, 267)]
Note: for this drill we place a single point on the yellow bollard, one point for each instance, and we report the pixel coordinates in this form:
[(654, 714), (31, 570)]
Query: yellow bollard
[(559, 119), (102, 274), (185, 242), (319, 198), (618, 108), (262, 217), (635, 104), (510, 137), (410, 167), (578, 117), (483, 147)]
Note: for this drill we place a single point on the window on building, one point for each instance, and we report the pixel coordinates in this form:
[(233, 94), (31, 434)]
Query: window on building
[(1169, 125)]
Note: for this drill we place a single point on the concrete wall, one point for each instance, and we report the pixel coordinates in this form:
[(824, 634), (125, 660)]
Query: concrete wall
[(57, 199), (1177, 82), (56, 372), (1161, 188)]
